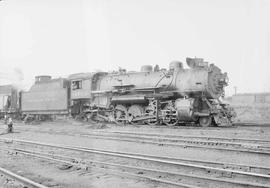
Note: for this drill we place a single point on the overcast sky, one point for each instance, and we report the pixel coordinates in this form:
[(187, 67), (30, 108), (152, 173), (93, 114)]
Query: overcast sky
[(59, 37)]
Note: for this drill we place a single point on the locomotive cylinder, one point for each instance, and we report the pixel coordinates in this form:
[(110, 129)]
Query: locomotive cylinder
[(184, 109)]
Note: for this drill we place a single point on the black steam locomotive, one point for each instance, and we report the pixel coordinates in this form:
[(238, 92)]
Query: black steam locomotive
[(151, 96)]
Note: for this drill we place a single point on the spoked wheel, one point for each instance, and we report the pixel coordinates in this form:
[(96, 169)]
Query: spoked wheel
[(92, 117), (170, 114), (120, 114), (133, 112), (205, 121), (152, 121), (81, 117), (171, 122), (151, 111)]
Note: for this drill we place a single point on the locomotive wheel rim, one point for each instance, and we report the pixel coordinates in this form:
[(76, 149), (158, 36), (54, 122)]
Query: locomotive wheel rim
[(168, 120), (150, 111), (92, 117), (81, 117), (171, 123), (152, 122), (205, 121), (135, 111), (120, 113)]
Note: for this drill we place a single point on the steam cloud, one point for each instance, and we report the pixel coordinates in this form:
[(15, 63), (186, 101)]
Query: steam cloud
[(13, 76)]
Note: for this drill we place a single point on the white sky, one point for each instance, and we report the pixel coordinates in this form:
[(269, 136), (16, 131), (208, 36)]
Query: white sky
[(60, 37)]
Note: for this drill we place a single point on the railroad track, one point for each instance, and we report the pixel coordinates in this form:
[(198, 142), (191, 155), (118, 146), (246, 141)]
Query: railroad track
[(186, 141), (23, 180), (74, 162), (220, 139), (251, 146), (172, 137), (198, 174)]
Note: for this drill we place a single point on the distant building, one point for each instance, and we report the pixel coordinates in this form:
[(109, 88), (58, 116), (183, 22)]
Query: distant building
[(251, 98)]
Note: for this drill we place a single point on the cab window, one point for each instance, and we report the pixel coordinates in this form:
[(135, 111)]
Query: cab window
[(77, 84)]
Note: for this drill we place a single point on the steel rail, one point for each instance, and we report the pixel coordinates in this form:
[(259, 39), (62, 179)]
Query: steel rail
[(211, 145), (222, 165), (169, 139), (185, 136), (21, 178), (185, 160), (192, 144), (40, 155), (83, 162), (210, 142), (137, 157), (169, 136)]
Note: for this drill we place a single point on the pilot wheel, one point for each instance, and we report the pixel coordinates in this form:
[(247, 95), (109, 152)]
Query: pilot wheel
[(205, 121)]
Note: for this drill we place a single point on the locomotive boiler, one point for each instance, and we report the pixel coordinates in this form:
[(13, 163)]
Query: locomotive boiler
[(173, 96)]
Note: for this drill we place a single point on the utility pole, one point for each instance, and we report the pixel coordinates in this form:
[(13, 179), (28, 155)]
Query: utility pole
[(235, 90)]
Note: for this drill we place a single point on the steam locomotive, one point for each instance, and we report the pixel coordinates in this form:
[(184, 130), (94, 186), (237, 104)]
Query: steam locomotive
[(150, 96)]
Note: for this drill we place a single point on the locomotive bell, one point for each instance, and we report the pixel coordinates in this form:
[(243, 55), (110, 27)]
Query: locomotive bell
[(147, 68)]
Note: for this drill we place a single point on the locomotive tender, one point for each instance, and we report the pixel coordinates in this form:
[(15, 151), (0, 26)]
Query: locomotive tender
[(9, 100), (46, 97), (170, 97)]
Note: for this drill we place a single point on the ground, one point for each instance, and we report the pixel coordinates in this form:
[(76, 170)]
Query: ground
[(70, 132)]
